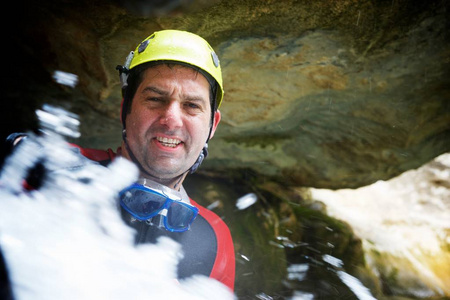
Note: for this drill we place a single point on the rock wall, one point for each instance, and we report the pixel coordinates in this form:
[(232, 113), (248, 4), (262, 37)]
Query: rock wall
[(323, 94)]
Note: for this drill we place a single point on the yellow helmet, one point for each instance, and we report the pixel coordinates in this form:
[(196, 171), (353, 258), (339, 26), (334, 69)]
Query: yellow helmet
[(177, 46)]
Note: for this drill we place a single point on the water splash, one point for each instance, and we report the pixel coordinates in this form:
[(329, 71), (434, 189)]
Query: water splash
[(360, 291), (302, 296), (263, 296), (297, 271), (66, 239), (65, 78), (246, 201), (336, 262), (214, 205), (59, 121)]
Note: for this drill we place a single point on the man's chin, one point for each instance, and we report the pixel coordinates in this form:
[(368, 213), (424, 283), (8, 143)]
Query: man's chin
[(165, 172)]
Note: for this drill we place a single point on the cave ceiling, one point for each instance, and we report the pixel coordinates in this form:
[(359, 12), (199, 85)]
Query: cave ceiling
[(328, 94)]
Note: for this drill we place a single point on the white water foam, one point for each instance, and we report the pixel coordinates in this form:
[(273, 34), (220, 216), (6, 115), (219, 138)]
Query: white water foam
[(66, 240)]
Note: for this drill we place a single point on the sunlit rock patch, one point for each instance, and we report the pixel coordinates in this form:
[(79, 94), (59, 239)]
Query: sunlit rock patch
[(405, 227)]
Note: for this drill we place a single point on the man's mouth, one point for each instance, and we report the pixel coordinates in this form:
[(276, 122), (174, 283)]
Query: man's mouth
[(168, 142)]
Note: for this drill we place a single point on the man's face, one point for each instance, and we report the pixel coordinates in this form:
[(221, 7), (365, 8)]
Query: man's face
[(169, 120)]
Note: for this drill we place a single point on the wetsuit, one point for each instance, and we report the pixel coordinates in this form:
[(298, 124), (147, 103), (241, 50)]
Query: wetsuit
[(207, 247)]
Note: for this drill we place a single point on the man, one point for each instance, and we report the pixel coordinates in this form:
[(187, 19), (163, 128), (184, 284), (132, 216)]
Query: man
[(172, 88)]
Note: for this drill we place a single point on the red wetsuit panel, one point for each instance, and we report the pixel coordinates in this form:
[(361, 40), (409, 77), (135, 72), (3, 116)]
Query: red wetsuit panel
[(224, 266), (95, 154)]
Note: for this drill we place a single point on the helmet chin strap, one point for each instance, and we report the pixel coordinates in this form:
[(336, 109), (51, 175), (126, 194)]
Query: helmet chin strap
[(204, 152)]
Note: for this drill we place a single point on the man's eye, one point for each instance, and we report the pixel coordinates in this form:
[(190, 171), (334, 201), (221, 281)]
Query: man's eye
[(192, 105)]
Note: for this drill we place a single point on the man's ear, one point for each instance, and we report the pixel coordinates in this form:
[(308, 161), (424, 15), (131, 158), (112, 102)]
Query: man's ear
[(217, 117)]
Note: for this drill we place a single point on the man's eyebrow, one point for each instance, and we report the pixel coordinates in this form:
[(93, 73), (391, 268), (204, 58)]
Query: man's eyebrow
[(190, 97), (194, 97), (154, 90)]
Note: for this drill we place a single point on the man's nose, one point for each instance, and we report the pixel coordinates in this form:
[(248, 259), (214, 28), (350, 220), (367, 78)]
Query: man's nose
[(171, 115)]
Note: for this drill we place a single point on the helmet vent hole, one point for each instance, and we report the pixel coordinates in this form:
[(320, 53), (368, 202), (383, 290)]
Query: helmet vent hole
[(143, 46), (215, 59)]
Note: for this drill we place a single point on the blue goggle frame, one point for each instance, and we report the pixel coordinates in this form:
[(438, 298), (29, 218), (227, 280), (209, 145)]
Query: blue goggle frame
[(144, 203)]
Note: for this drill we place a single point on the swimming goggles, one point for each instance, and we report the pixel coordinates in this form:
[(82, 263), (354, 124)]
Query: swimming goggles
[(144, 203)]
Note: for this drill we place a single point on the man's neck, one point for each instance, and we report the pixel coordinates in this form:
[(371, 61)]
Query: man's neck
[(173, 183)]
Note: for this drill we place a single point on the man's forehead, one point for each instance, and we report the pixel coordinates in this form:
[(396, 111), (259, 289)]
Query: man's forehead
[(173, 68), (161, 73), (166, 92), (162, 80)]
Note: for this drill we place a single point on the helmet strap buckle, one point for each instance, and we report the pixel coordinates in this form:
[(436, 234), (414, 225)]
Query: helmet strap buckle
[(125, 70)]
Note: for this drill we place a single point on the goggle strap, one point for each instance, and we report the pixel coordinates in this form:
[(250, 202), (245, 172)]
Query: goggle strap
[(156, 221)]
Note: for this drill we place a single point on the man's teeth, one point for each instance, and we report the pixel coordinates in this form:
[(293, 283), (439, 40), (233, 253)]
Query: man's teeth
[(168, 142)]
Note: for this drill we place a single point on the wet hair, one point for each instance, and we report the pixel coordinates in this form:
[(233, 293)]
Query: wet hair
[(136, 76)]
